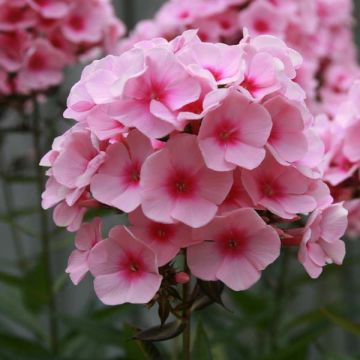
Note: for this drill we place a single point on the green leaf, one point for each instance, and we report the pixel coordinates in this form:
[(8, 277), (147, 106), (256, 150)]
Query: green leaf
[(10, 279), (20, 345), (95, 330), (202, 347), (213, 289), (249, 302), (35, 291), (138, 350), (161, 333), (12, 308), (297, 346), (346, 324)]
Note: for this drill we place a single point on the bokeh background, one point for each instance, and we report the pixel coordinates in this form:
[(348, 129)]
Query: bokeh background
[(287, 314)]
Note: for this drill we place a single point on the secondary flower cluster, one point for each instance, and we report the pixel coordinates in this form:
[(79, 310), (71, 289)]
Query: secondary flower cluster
[(320, 30), (207, 147), (341, 163), (38, 38)]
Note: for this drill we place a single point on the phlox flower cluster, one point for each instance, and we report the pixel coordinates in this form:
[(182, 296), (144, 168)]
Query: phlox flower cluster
[(341, 163), (320, 30), (209, 149), (38, 38)]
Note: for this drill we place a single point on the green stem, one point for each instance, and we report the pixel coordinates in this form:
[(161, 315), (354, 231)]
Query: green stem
[(279, 299), (186, 335), (9, 209), (45, 239)]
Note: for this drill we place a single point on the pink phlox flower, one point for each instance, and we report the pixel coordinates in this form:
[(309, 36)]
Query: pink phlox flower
[(124, 268)]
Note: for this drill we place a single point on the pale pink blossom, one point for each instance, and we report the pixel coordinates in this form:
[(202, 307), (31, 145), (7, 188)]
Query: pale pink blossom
[(165, 240), (235, 249), (262, 17), (281, 189), (80, 159), (177, 186), (219, 61), (234, 134), (261, 75), (84, 22), (117, 182), (43, 67), (124, 268), (86, 238), (287, 140), (52, 9), (321, 242), (151, 101), (237, 196), (67, 216), (39, 38)]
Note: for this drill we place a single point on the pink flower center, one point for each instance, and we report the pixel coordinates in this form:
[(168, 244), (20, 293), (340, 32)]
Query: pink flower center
[(77, 23), (232, 243), (184, 14), (161, 232), (195, 107), (270, 189), (133, 174), (226, 25), (226, 134), (181, 185), (37, 62), (215, 72), (132, 265), (42, 2), (261, 26), (249, 84), (14, 15)]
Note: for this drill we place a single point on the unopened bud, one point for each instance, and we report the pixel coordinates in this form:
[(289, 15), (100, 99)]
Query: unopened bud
[(182, 278)]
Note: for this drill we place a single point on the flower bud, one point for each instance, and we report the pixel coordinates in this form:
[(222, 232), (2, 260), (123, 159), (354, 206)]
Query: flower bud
[(182, 278)]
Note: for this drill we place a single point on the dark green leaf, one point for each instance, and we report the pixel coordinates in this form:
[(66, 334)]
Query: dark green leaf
[(136, 349), (346, 324), (213, 289), (35, 291), (97, 331), (20, 345), (202, 347), (161, 333), (297, 345), (11, 307), (10, 279), (164, 309)]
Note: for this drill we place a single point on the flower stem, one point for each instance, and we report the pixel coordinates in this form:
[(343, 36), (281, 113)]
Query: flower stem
[(9, 209), (45, 240), (279, 299), (186, 335)]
